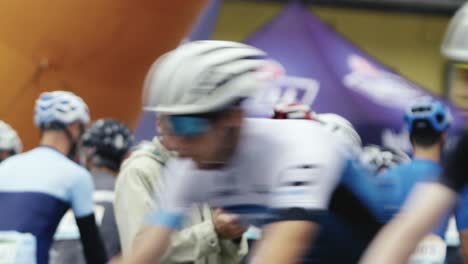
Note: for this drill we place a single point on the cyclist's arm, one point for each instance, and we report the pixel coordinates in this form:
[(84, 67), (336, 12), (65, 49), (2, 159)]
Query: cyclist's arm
[(398, 239), (285, 241), (93, 246), (153, 243), (151, 246), (82, 205)]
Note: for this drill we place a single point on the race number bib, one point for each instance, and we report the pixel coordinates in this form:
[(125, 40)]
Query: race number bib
[(68, 229), (17, 248), (431, 250)]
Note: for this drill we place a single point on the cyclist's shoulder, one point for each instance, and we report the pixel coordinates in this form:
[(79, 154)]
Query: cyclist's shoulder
[(145, 164), (355, 172), (424, 164), (288, 135), (400, 169), (147, 153), (72, 171), (82, 177), (42, 161), (356, 166), (33, 156), (44, 171), (283, 127), (142, 166), (416, 170), (424, 169)]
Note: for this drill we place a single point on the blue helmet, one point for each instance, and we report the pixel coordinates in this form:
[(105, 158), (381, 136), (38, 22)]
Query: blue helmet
[(434, 113), (60, 106)]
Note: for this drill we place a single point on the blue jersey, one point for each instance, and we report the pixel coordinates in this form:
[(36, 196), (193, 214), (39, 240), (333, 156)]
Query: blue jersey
[(362, 182), (455, 177), (397, 183), (337, 232), (37, 188)]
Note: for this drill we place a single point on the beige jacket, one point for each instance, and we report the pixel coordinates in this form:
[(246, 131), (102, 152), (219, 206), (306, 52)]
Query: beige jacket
[(134, 192)]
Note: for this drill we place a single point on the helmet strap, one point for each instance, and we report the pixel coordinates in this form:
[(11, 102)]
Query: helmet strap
[(73, 152)]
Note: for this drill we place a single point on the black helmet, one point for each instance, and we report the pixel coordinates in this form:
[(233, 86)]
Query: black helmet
[(110, 140)]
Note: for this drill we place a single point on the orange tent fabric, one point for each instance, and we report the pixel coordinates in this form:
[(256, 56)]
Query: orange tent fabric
[(100, 50)]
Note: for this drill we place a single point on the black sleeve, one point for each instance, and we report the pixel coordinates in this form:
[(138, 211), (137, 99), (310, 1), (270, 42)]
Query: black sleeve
[(109, 231), (299, 214), (91, 239), (455, 174), (346, 206)]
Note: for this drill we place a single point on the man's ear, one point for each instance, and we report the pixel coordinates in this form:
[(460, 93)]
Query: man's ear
[(75, 129), (233, 118)]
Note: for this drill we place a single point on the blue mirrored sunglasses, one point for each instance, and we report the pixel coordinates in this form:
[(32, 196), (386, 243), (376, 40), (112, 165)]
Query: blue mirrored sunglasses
[(188, 126)]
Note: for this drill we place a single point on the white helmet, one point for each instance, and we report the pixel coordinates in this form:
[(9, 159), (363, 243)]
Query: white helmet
[(206, 76), (60, 106), (9, 139), (345, 131), (455, 45)]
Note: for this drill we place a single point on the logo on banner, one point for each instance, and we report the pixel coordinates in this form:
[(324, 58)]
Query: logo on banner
[(286, 90), (381, 86)]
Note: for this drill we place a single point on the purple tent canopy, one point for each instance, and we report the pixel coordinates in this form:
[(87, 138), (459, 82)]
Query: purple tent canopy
[(352, 83)]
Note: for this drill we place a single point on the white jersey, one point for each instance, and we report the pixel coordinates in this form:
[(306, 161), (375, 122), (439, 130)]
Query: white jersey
[(279, 164)]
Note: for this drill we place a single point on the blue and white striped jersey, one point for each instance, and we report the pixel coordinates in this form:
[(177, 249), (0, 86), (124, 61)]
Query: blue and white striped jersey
[(37, 188)]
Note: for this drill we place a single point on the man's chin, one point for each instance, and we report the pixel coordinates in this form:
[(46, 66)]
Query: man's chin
[(203, 165)]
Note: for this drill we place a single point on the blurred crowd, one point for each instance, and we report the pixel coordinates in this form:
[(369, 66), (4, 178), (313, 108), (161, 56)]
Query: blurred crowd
[(214, 186), (109, 183)]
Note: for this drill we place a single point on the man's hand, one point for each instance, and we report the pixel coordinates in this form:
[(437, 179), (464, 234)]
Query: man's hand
[(227, 225)]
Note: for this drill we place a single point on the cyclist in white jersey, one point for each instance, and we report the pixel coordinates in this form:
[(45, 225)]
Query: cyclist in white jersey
[(280, 172), (350, 222), (10, 143)]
